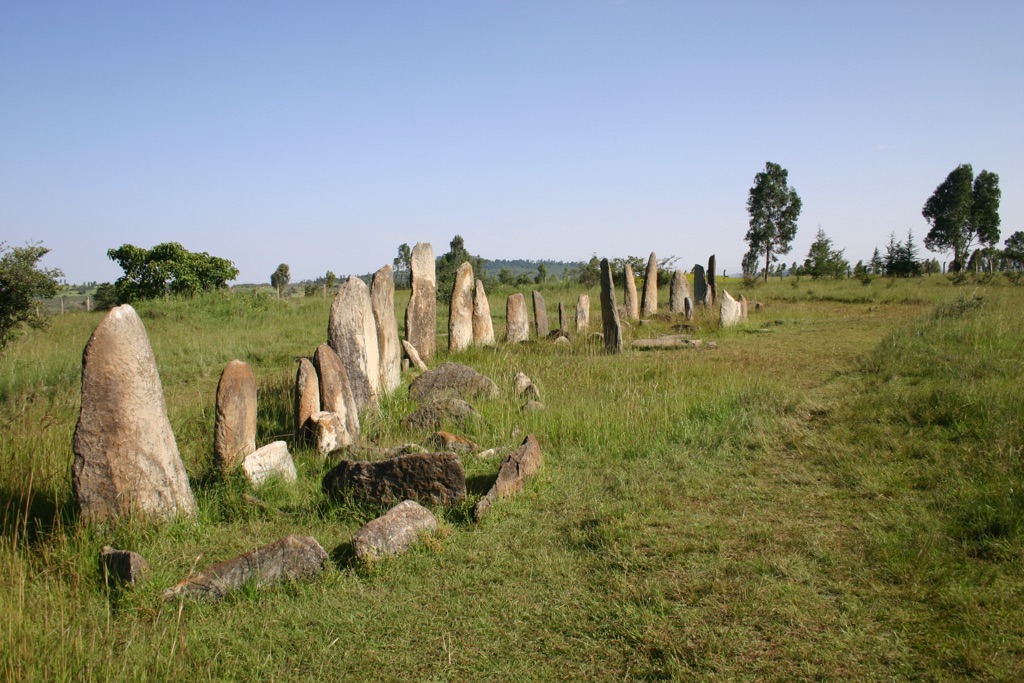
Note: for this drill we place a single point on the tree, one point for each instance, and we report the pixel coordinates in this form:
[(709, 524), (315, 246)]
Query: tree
[(280, 278), (963, 209), (168, 268), (901, 257), (877, 264), (22, 285), (542, 274), (403, 266), (448, 264), (824, 261), (1014, 251), (774, 208)]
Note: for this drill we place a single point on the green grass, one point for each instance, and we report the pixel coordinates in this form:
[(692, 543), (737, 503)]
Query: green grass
[(834, 492)]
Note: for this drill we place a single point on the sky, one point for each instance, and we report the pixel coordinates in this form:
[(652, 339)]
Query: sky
[(325, 134)]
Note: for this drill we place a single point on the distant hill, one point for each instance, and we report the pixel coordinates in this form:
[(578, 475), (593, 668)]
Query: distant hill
[(520, 266)]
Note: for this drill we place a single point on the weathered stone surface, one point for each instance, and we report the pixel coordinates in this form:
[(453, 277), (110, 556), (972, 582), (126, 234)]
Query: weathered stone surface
[(435, 413), (732, 310), (744, 305), (272, 460), (700, 287), (609, 315), (335, 394), (436, 478), (126, 459), (366, 452), (307, 399), (483, 326), (516, 468), (122, 566), (413, 355), (524, 386), (421, 315), (631, 302), (234, 430), (712, 282), (517, 325), (460, 312), (452, 380), (672, 341), (583, 314), (649, 305), (540, 316), (688, 307), (389, 350), (678, 293), (446, 441), (531, 406), (290, 559), (328, 431), (352, 333), (394, 532), (562, 341)]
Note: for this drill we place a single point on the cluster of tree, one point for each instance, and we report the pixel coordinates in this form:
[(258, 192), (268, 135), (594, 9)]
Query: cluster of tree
[(22, 286), (823, 260), (449, 262), (166, 269)]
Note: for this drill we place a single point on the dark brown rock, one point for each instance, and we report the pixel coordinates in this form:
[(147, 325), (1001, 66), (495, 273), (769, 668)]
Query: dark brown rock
[(394, 532), (234, 431), (452, 380), (701, 294), (290, 559), (436, 478), (609, 314), (712, 282), (122, 566), (516, 468), (438, 412), (126, 459)]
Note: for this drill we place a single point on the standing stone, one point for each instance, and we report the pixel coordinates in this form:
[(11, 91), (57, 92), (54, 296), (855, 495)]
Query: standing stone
[(540, 316), (732, 310), (563, 321), (327, 431), (483, 327), (269, 461), (712, 285), (630, 301), (126, 459), (688, 307), (460, 313), (382, 300), (743, 307), (700, 286), (394, 532), (679, 292), (583, 314), (352, 333), (609, 314), (517, 326), (649, 306), (234, 431), (421, 315), (307, 399), (335, 393)]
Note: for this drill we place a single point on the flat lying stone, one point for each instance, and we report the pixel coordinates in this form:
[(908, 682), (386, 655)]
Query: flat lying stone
[(270, 461), (446, 441), (672, 341), (369, 452), (291, 558), (394, 532), (414, 356), (439, 411), (452, 380), (437, 478), (122, 566), (516, 468)]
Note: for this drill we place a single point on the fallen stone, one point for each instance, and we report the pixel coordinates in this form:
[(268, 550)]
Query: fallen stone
[(452, 380), (412, 355), (126, 458), (540, 316), (439, 412), (234, 431), (631, 302), (307, 400), (460, 311), (649, 304), (517, 326), (421, 315), (389, 350), (446, 441), (352, 333), (335, 393), (272, 460), (290, 559), (394, 532), (488, 454), (609, 315), (365, 452), (673, 341), (516, 468), (483, 327), (122, 566), (436, 478), (532, 406)]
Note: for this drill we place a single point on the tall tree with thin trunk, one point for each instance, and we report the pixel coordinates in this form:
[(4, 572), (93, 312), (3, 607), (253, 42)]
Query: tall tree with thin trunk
[(963, 209), (774, 208), (280, 278)]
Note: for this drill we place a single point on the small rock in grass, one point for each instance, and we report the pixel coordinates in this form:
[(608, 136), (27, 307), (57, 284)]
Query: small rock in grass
[(122, 566), (271, 460), (394, 532)]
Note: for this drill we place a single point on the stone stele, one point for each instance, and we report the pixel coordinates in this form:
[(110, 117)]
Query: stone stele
[(460, 312), (517, 324), (609, 313), (678, 292), (649, 305), (421, 315), (335, 394), (700, 287), (382, 299), (483, 327), (126, 458), (234, 431), (352, 333), (307, 399), (631, 303), (583, 314), (732, 310), (540, 316)]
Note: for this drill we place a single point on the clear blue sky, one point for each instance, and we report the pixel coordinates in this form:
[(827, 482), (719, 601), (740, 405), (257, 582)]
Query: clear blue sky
[(325, 134)]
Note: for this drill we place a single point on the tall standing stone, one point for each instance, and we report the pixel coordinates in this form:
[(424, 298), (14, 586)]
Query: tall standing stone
[(234, 431), (460, 313), (678, 293), (583, 314), (700, 286), (421, 315), (732, 310), (630, 300), (517, 324), (609, 312), (126, 459), (307, 399), (712, 284), (649, 305), (352, 333), (389, 348), (335, 392), (563, 321), (483, 326), (744, 304), (540, 316)]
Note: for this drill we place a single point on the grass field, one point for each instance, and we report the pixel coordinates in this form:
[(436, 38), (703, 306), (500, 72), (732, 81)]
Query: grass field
[(835, 492)]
